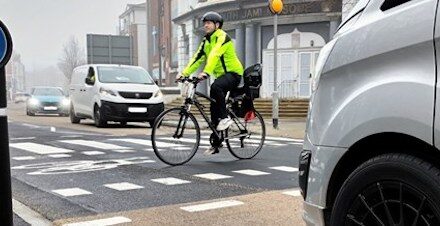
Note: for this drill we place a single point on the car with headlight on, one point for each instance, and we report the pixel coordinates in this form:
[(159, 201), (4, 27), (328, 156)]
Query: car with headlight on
[(371, 153), (47, 100), (118, 93)]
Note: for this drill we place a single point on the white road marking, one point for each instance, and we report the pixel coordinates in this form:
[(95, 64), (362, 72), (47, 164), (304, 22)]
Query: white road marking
[(251, 172), (72, 136), (284, 168), (93, 153), (212, 176), (94, 144), (184, 140), (295, 193), (58, 156), (69, 192), (30, 125), (211, 206), (284, 139), (28, 215), (146, 142), (23, 158), (256, 141), (102, 222), (23, 138), (53, 129), (124, 186), (170, 181), (124, 151), (40, 148)]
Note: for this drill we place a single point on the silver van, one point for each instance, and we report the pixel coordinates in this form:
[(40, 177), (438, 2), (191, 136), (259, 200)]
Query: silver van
[(114, 93), (371, 151)]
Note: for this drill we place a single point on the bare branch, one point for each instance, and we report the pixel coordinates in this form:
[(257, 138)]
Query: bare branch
[(71, 57)]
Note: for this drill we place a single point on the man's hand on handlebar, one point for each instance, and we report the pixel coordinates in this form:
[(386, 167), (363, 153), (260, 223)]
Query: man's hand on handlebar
[(202, 76)]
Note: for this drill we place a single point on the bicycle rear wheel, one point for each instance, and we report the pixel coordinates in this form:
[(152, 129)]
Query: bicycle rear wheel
[(246, 145), (175, 136)]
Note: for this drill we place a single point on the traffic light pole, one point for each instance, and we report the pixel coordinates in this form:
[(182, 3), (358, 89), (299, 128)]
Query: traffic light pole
[(5, 169), (275, 102)]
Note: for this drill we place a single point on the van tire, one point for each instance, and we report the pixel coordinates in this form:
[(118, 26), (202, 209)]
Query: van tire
[(99, 119), (393, 182), (73, 118)]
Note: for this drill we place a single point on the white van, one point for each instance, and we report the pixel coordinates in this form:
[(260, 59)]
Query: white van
[(114, 93)]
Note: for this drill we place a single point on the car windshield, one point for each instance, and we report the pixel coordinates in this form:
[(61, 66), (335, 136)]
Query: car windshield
[(47, 92), (124, 75)]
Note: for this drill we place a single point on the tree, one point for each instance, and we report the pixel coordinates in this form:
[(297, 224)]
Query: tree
[(72, 57)]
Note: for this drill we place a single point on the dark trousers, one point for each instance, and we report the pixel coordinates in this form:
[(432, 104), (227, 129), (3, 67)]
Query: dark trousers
[(219, 88)]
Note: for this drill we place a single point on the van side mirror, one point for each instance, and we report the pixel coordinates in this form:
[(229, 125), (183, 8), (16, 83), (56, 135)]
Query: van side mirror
[(89, 81), (157, 82)]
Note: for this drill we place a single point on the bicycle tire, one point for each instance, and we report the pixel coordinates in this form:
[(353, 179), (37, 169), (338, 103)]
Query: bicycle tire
[(239, 153), (155, 139)]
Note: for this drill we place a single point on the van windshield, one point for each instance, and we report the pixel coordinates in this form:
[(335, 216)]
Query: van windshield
[(124, 75)]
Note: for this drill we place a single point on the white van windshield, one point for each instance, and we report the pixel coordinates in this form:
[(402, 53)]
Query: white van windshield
[(124, 75)]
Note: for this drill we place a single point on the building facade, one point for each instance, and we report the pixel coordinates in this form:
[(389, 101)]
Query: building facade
[(133, 22), (303, 28)]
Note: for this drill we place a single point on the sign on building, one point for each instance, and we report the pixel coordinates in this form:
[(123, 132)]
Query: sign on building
[(109, 49)]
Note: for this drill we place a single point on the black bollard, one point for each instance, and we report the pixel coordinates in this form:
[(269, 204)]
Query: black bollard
[(5, 169)]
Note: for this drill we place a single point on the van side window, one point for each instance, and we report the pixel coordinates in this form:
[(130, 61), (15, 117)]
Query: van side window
[(388, 4)]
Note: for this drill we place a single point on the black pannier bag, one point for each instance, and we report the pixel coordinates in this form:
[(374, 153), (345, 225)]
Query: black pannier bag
[(253, 80)]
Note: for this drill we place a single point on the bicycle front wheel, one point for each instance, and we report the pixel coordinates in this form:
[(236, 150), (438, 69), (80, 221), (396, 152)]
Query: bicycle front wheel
[(245, 139), (175, 136)]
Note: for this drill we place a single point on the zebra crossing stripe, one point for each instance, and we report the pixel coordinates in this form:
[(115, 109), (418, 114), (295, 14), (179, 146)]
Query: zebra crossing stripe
[(185, 140), (102, 222), (294, 193), (284, 139), (94, 144), (284, 168), (40, 148), (146, 142), (211, 206), (69, 192)]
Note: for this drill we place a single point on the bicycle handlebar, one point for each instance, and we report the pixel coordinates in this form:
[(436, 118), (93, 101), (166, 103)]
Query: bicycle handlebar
[(193, 80)]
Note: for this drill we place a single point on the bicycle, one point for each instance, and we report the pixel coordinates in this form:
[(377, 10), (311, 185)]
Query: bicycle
[(244, 138)]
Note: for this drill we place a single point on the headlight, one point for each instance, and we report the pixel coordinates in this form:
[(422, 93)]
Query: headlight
[(320, 62), (65, 102), (107, 92), (158, 94), (34, 102)]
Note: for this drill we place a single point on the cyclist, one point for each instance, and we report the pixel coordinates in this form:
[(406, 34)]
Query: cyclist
[(222, 63)]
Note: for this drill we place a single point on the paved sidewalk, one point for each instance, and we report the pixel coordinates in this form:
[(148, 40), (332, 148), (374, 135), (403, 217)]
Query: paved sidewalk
[(291, 128)]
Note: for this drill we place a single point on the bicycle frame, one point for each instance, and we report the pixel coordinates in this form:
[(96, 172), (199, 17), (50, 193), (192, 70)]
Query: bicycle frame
[(192, 100)]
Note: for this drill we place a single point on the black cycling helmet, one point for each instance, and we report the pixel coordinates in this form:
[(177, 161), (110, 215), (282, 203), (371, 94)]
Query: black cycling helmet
[(214, 17)]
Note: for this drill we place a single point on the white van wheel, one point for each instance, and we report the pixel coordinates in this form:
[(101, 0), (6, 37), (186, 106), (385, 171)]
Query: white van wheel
[(97, 116), (73, 118)]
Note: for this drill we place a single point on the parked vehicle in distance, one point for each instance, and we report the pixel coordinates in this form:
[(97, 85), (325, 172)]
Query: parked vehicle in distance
[(21, 97)]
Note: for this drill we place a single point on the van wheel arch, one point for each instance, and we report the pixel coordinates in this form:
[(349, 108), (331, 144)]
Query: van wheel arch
[(371, 147)]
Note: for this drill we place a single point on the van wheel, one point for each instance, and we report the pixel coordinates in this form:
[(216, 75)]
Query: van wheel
[(99, 119), (73, 118), (29, 113), (391, 189)]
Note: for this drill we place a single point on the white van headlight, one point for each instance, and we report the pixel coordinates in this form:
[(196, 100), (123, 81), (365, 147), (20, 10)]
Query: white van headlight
[(104, 91), (320, 62), (158, 94)]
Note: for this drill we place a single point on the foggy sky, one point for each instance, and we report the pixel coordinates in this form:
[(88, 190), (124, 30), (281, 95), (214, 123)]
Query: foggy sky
[(40, 28)]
